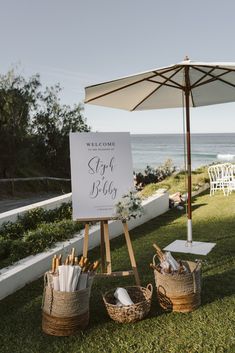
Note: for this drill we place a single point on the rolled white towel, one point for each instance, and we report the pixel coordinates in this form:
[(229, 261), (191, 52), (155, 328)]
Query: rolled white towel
[(122, 295), (118, 303)]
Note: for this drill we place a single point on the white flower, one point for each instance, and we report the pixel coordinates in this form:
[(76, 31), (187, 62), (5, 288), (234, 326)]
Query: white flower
[(129, 206)]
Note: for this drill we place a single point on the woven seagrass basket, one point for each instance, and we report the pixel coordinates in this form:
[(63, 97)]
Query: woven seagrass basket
[(141, 297), (64, 313), (179, 292)]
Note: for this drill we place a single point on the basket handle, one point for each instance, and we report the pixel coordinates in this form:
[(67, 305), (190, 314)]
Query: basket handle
[(154, 262), (46, 284), (150, 288), (45, 279), (198, 266)]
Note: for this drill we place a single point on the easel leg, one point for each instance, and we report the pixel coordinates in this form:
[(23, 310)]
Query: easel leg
[(102, 246), (107, 247), (85, 241), (131, 253)]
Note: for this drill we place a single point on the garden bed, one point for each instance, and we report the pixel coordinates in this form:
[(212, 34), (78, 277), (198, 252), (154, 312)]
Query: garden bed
[(36, 231)]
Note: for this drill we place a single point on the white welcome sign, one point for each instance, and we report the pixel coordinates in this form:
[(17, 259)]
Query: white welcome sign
[(101, 172)]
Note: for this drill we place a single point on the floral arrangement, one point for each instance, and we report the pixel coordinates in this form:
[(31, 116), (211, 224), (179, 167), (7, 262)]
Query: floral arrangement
[(129, 206)]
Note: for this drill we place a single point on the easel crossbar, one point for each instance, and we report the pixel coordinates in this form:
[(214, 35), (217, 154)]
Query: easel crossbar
[(106, 253)]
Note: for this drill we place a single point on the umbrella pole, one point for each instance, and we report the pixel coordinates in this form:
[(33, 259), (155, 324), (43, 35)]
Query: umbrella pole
[(189, 224)]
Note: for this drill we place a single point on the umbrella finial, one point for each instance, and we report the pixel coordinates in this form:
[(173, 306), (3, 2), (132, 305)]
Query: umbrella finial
[(186, 58)]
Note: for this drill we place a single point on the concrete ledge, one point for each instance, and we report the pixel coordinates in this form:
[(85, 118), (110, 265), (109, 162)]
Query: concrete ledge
[(32, 267), (50, 204)]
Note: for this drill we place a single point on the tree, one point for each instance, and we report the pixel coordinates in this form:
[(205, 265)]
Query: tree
[(34, 127), (51, 126), (17, 99)]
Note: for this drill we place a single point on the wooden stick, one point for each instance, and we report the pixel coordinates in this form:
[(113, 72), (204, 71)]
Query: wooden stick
[(107, 247), (86, 239), (53, 266), (102, 246), (160, 254), (131, 253)]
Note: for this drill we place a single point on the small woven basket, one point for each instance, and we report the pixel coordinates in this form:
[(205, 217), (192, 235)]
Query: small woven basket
[(64, 313), (179, 292), (141, 297)]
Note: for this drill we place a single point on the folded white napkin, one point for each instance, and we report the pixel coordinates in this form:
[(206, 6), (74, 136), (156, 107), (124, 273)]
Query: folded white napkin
[(56, 282), (76, 275), (90, 280), (70, 275), (122, 295), (82, 283), (170, 259), (62, 277)]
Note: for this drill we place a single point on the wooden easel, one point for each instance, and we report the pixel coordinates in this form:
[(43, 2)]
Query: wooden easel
[(106, 266)]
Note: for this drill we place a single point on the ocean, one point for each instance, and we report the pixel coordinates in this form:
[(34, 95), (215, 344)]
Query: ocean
[(155, 149)]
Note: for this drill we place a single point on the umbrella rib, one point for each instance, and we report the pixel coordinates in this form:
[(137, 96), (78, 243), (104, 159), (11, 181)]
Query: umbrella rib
[(156, 89), (116, 89), (125, 86), (169, 79), (214, 78), (165, 84), (201, 78)]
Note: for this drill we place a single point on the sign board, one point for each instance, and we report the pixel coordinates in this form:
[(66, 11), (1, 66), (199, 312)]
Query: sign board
[(101, 172)]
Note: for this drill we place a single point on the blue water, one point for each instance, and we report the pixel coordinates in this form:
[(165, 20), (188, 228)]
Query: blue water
[(155, 149)]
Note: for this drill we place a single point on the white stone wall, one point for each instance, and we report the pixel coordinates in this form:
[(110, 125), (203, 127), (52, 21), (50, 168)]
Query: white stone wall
[(32, 267), (50, 204)]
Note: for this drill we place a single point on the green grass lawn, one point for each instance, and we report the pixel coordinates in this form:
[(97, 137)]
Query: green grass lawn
[(210, 329), (177, 182)]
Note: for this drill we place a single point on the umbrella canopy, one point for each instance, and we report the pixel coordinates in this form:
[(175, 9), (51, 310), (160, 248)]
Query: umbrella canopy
[(208, 83), (186, 84)]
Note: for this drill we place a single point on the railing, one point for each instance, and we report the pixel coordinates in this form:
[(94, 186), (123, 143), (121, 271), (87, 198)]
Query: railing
[(33, 178), (46, 179)]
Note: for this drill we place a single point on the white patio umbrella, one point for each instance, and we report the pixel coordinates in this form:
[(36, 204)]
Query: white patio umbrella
[(186, 84)]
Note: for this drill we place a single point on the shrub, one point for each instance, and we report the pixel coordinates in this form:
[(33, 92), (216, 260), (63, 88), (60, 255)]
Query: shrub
[(19, 250), (4, 248), (48, 233), (31, 219), (36, 231), (156, 175), (11, 230)]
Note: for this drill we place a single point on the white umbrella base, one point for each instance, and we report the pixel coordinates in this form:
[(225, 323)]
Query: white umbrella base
[(196, 247)]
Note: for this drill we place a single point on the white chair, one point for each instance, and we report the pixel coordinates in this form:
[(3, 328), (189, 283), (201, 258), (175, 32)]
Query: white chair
[(220, 178), (231, 175)]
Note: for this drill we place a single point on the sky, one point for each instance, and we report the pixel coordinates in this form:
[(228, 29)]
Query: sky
[(83, 42)]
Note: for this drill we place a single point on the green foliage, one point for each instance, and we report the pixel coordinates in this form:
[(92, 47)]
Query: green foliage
[(31, 219), (129, 206), (34, 124), (177, 183), (5, 245), (154, 175), (51, 127), (17, 100), (11, 230), (36, 231), (20, 249), (47, 234)]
